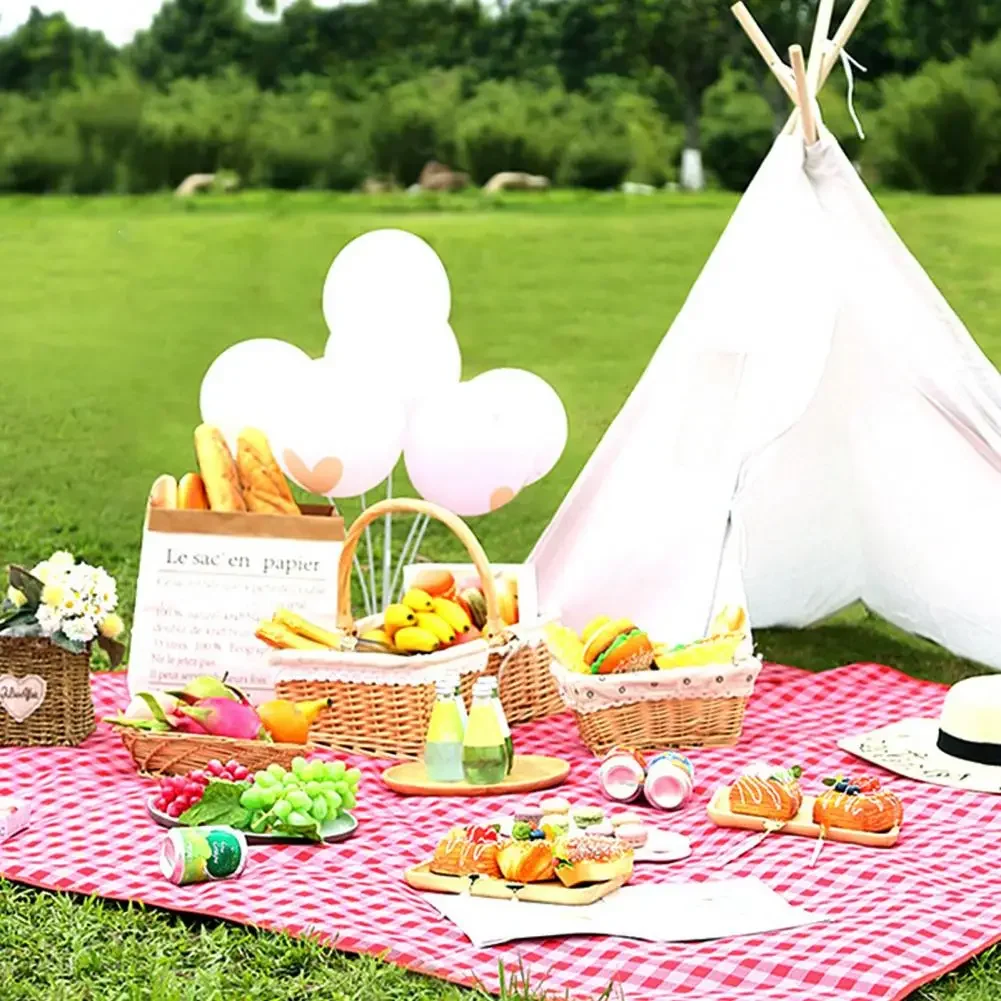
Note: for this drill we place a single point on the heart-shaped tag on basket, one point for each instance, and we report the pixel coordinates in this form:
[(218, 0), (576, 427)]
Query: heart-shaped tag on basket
[(20, 697)]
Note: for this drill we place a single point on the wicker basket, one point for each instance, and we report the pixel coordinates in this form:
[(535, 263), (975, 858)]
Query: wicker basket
[(382, 702), (654, 710), (45, 696), (180, 753)]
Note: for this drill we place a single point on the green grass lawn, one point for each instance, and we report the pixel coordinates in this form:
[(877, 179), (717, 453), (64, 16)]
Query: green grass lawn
[(112, 309)]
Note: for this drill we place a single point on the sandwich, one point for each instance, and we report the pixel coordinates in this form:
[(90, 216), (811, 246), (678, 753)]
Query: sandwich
[(615, 646)]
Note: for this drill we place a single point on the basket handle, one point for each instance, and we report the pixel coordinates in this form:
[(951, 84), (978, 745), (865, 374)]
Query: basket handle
[(407, 505)]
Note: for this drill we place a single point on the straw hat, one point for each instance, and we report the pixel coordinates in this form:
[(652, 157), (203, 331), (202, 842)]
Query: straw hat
[(961, 749)]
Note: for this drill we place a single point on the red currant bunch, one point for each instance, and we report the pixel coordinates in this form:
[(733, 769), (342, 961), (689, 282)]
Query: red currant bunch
[(178, 793)]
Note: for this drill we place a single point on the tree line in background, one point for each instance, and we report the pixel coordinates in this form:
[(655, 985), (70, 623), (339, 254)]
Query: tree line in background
[(587, 92)]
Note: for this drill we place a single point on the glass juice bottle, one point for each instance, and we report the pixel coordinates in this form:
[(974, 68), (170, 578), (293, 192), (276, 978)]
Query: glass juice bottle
[(484, 758), (502, 722), (459, 700), (443, 746)]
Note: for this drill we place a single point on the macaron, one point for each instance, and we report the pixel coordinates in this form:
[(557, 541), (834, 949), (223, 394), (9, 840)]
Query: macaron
[(556, 805), (588, 816), (634, 835), (626, 818), (602, 830), (529, 813)]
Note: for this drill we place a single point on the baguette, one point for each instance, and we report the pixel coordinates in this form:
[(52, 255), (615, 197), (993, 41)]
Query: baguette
[(282, 638), (306, 629), (222, 481), (163, 493), (191, 494), (265, 488)]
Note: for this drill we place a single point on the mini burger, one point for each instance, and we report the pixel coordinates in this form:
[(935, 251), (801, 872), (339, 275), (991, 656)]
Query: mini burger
[(616, 646), (589, 859)]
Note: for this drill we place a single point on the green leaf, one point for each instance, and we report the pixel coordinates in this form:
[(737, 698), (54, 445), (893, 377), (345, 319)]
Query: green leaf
[(220, 804), (114, 649), (155, 708), (31, 587), (19, 619), (797, 771), (73, 646), (830, 782), (153, 725)]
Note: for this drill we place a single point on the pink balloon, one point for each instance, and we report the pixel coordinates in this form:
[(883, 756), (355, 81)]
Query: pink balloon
[(539, 419), (462, 451)]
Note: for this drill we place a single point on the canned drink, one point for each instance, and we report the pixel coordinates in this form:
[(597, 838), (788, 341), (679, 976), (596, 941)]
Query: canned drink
[(201, 854), (670, 779), (621, 774)]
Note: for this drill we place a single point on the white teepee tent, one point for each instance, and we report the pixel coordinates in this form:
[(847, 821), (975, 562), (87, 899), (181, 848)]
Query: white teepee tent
[(817, 427)]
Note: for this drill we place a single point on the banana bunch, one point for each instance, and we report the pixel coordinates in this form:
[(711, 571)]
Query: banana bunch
[(421, 623)]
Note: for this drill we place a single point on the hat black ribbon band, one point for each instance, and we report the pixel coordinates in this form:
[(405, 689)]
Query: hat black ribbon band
[(969, 750)]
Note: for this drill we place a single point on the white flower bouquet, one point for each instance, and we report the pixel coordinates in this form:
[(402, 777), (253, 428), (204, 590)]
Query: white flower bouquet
[(72, 604)]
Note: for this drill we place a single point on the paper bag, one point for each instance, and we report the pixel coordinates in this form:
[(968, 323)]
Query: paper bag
[(207, 578)]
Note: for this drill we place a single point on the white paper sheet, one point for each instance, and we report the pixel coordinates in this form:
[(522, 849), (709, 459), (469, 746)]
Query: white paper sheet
[(685, 912)]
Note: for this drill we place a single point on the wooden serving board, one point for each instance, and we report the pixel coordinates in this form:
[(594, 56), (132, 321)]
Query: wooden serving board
[(530, 772), (802, 824), (421, 877)]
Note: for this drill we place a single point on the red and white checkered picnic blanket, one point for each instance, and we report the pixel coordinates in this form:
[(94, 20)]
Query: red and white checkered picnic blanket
[(900, 917)]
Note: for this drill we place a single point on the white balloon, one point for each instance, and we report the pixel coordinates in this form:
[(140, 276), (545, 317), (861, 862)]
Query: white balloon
[(382, 278), (460, 452), (239, 388), (335, 436), (539, 412), (411, 361)]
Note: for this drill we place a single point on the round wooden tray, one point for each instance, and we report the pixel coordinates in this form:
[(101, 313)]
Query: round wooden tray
[(530, 772)]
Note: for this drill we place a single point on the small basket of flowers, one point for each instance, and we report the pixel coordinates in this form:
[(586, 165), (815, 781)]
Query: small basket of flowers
[(50, 619)]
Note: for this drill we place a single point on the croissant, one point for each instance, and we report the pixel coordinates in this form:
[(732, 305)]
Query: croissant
[(765, 797), (222, 482), (527, 861), (265, 488)]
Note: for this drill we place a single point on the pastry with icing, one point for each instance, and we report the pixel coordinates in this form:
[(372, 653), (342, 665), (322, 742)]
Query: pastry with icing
[(467, 851), (858, 804), (769, 792)]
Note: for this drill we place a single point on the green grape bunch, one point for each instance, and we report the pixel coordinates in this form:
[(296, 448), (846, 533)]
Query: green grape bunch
[(299, 802)]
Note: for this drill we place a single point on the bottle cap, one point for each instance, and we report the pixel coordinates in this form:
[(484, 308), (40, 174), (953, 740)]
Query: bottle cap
[(481, 688), (444, 688)]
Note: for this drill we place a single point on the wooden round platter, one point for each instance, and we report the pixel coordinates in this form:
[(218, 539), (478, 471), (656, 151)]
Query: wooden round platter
[(530, 772)]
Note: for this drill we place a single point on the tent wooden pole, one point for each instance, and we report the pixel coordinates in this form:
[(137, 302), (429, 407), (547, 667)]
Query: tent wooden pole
[(803, 95), (841, 36), (818, 45), (832, 53), (764, 47)]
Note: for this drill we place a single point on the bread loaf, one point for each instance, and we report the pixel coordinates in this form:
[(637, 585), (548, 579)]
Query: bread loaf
[(265, 488), (222, 481), (191, 494), (163, 493)]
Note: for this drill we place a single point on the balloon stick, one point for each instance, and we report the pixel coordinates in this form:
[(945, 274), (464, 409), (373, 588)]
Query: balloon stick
[(406, 556), (387, 546), (371, 558), (369, 610), (425, 521)]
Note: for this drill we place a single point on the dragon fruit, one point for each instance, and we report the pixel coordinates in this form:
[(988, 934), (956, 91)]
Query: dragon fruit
[(223, 717)]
